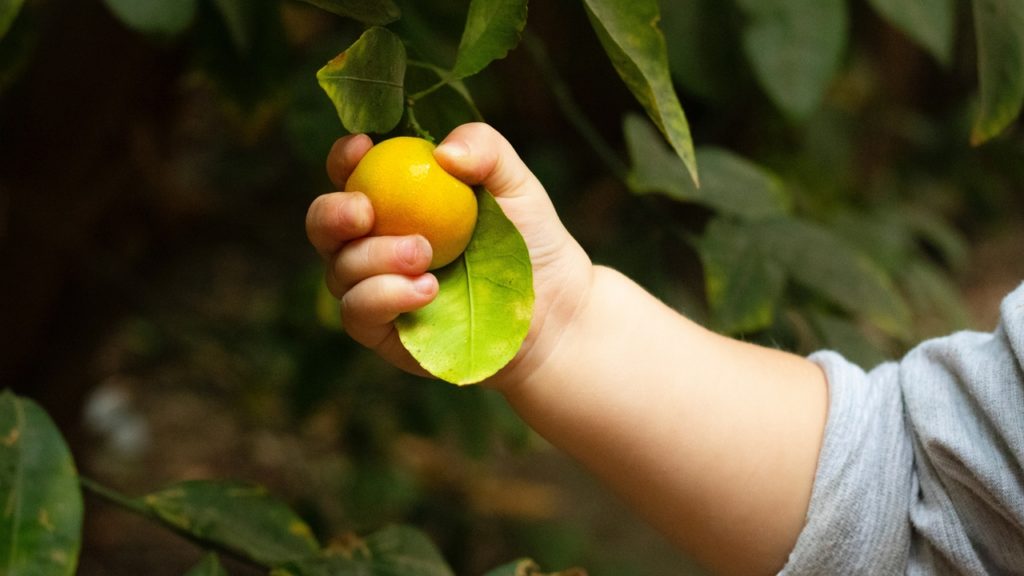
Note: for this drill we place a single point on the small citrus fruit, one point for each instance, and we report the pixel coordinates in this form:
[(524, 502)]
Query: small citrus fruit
[(412, 194)]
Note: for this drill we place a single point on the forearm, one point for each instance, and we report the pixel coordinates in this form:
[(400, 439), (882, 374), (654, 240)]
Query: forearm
[(714, 441)]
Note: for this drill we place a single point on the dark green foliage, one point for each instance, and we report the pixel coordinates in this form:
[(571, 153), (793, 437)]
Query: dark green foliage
[(41, 514)]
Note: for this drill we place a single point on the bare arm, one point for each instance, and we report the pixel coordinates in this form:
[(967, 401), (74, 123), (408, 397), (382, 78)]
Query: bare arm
[(713, 441)]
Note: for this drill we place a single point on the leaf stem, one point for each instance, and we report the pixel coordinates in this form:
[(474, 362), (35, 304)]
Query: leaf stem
[(116, 498), (563, 97), (429, 90)]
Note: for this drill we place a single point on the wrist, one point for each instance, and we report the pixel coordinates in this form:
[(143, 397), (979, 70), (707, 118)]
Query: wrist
[(560, 329), (553, 329)]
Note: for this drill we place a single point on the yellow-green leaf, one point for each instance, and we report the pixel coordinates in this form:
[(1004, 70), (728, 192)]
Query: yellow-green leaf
[(482, 313)]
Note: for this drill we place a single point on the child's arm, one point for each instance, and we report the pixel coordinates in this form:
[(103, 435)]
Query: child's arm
[(715, 442)]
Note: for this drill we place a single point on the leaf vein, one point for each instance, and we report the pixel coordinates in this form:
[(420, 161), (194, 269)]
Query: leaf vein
[(344, 77)]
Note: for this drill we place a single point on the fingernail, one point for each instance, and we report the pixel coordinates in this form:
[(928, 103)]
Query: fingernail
[(409, 250), (453, 150), (425, 284), (355, 216)]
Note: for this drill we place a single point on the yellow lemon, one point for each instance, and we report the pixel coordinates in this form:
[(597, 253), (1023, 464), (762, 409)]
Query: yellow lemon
[(412, 194)]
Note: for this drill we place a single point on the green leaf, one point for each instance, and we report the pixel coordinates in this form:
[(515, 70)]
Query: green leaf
[(493, 27), (847, 338), (371, 12), (881, 234), (939, 234), (239, 517), (479, 319), (747, 264), (731, 184), (252, 76), (999, 26), (40, 500), (208, 566), (795, 48), (527, 567), (366, 82), (821, 261), (159, 17), (392, 551), (628, 30), (744, 285), (374, 490), (938, 307), (930, 23), (701, 44), (9, 10), (235, 19), (440, 110)]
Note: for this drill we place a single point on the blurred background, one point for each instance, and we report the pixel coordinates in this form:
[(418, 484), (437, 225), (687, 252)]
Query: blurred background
[(160, 300)]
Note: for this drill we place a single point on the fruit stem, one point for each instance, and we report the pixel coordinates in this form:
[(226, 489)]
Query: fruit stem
[(414, 125)]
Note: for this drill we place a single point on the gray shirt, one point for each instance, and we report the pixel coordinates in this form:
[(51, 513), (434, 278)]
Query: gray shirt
[(922, 466)]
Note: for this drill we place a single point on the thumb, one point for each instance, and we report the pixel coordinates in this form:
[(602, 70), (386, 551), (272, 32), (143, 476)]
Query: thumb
[(477, 154)]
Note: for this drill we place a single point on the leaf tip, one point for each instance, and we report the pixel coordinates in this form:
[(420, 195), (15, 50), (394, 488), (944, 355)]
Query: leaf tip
[(980, 136), (691, 167)]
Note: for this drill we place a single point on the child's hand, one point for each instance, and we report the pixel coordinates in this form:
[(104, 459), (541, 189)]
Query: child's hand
[(713, 440), (378, 278)]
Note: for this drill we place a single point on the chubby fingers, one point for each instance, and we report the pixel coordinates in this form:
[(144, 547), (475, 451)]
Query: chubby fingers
[(336, 218), (374, 256), (378, 278), (346, 152), (369, 308)]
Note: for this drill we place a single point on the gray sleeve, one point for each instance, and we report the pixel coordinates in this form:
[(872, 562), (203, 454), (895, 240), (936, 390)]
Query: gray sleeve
[(922, 466)]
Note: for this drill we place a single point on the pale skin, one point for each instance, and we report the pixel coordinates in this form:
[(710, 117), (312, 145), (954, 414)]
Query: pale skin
[(713, 441)]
